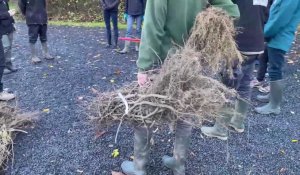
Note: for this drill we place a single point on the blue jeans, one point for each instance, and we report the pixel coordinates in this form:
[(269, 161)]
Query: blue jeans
[(113, 15), (130, 21), (242, 77), (276, 63)]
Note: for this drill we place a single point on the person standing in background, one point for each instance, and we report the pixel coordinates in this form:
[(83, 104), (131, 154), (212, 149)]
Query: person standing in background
[(134, 11), (37, 21), (5, 17), (7, 40), (110, 12), (279, 33)]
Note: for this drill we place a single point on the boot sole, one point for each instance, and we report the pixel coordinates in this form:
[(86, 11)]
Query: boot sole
[(236, 129), (267, 113), (224, 138)]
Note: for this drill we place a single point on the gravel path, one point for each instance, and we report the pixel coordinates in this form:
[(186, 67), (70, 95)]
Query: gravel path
[(62, 141)]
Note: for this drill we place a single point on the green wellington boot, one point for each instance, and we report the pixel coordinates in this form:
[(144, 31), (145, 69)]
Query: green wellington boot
[(141, 152), (237, 121), (34, 58), (46, 53), (219, 130), (273, 107), (126, 48), (181, 145)]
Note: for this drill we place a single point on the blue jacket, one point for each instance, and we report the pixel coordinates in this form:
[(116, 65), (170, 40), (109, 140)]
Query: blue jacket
[(282, 24)]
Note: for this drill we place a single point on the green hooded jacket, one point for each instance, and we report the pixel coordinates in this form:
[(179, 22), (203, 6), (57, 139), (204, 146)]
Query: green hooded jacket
[(168, 22)]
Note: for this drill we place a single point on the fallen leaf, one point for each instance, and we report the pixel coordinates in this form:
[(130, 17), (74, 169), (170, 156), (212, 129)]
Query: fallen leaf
[(282, 152), (94, 91), (116, 173), (292, 112), (294, 141), (79, 171), (115, 153), (99, 134), (290, 61), (96, 56), (46, 110), (117, 71), (282, 170)]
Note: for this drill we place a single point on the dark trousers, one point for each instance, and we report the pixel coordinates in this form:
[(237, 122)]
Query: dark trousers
[(111, 15), (276, 63), (37, 30), (263, 65), (2, 63), (242, 77)]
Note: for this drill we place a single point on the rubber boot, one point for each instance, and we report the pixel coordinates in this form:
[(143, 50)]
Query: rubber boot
[(142, 137), (5, 96), (126, 48), (237, 121), (9, 68), (273, 107), (46, 54), (137, 47), (219, 130), (181, 145), (263, 98), (34, 57)]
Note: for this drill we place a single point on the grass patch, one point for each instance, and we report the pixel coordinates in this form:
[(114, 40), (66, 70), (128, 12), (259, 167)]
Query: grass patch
[(83, 24), (13, 5)]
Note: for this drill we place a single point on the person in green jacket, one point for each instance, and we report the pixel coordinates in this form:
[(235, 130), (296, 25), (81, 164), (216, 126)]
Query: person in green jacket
[(167, 22), (280, 33)]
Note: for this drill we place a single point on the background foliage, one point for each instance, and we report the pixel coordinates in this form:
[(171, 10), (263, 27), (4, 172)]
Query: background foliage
[(77, 10)]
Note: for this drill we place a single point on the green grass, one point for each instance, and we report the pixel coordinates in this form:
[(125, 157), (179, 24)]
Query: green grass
[(13, 5), (83, 24)]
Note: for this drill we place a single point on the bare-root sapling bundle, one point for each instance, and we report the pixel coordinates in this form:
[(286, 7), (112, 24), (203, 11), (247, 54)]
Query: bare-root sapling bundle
[(186, 86), (11, 122)]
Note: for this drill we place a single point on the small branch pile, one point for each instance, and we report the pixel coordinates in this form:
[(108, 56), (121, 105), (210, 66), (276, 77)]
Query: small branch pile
[(186, 86), (10, 122)]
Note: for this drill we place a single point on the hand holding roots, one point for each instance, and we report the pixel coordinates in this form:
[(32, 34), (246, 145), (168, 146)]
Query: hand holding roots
[(186, 86)]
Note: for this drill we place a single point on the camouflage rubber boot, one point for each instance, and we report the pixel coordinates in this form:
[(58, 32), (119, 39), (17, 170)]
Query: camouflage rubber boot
[(34, 58), (181, 145), (46, 54), (273, 107), (142, 137), (237, 121)]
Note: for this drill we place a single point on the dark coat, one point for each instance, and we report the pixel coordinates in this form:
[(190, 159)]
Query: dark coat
[(135, 7), (34, 10), (250, 37), (111, 5), (6, 21)]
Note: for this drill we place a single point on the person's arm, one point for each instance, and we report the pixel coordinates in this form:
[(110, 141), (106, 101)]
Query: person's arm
[(113, 5), (227, 5), (281, 13), (126, 6), (152, 34), (4, 15), (22, 6)]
